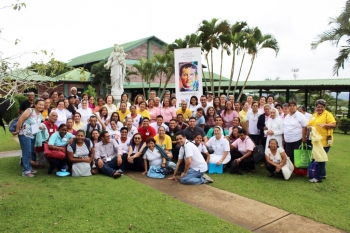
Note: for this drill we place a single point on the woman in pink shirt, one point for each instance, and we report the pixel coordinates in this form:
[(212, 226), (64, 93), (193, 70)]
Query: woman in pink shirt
[(168, 111), (153, 111), (245, 147), (228, 114)]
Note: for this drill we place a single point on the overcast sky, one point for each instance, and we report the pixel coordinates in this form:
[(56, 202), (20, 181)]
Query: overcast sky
[(72, 28)]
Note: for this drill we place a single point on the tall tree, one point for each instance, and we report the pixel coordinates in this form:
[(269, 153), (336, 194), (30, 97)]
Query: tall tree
[(256, 42), (339, 33)]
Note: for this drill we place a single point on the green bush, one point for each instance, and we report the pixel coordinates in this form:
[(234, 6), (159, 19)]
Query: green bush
[(91, 92), (12, 112), (344, 125)]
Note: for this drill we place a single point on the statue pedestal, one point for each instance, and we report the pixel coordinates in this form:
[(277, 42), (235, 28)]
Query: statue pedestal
[(117, 95)]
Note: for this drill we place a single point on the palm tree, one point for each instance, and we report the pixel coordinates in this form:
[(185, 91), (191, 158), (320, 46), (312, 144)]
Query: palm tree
[(225, 43), (339, 31), (145, 69), (256, 42)]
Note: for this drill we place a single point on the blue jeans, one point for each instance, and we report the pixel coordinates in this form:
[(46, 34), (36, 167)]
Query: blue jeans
[(110, 167), (192, 177), (321, 167), (27, 146)]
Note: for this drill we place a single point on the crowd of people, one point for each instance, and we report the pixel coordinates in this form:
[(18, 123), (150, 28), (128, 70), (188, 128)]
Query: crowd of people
[(88, 136)]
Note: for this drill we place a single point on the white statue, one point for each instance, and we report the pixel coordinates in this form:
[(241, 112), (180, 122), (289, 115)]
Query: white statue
[(116, 62)]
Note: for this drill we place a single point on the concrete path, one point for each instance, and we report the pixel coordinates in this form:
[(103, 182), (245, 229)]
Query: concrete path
[(12, 153), (249, 214)]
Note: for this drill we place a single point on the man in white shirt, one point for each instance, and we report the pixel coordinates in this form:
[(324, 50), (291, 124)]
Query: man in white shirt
[(158, 123), (195, 165), (152, 95), (131, 128), (204, 104), (210, 98)]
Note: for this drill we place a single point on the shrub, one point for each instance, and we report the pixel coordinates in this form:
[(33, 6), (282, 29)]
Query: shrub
[(91, 92), (12, 112), (344, 125)]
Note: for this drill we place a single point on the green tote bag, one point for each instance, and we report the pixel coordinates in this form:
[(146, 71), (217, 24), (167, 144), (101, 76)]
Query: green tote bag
[(302, 156)]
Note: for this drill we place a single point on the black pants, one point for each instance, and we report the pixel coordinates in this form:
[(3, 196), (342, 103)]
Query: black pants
[(290, 147), (255, 138), (272, 169), (175, 151), (136, 166), (56, 164), (246, 163)]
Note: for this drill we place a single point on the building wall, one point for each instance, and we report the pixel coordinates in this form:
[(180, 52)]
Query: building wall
[(138, 52)]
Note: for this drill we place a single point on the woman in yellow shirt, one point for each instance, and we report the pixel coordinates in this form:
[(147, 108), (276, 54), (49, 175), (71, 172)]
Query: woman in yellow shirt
[(142, 110), (164, 141), (123, 112), (243, 114), (324, 123)]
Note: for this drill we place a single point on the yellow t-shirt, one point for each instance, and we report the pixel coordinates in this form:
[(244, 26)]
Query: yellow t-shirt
[(243, 118), (78, 126), (167, 144), (144, 114), (123, 116), (325, 118), (186, 115)]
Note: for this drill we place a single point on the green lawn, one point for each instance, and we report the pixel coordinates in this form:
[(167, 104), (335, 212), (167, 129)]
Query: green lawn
[(327, 202), (93, 204), (7, 142)]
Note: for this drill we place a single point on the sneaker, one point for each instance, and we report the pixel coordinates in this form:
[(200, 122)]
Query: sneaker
[(27, 174), (116, 175), (207, 179), (313, 180), (34, 172)]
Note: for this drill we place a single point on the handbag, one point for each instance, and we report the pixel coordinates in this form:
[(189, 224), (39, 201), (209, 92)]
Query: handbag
[(287, 169), (234, 169), (155, 172), (302, 156), (81, 169), (57, 154), (258, 154)]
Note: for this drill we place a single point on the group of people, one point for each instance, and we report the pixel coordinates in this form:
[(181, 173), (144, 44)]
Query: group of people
[(101, 137)]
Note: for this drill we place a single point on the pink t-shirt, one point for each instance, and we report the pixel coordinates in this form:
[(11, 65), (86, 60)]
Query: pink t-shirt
[(228, 118), (244, 146), (168, 113), (154, 112)]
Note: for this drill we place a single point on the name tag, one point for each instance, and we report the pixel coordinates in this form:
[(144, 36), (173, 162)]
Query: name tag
[(108, 159), (147, 133), (187, 119), (64, 139), (51, 130)]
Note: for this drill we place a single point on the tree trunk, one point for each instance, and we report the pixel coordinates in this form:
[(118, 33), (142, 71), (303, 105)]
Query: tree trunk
[(239, 74), (143, 86), (222, 57), (166, 84), (210, 77), (232, 67), (245, 82), (160, 81), (212, 69), (205, 81)]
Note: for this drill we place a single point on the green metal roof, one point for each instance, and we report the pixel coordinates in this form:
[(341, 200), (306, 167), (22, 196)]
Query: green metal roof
[(105, 53), (75, 75), (24, 74)]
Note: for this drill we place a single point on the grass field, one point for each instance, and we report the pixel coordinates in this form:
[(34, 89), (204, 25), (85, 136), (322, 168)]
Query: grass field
[(93, 204), (327, 202), (7, 141)]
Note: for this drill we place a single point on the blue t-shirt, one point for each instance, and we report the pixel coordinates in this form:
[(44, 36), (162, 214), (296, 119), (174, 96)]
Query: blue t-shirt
[(56, 140)]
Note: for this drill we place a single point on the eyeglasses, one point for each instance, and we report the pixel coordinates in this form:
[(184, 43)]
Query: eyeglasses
[(137, 138)]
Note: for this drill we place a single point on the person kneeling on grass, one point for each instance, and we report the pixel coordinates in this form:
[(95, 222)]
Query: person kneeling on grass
[(245, 147), (195, 165), (108, 156), (275, 158)]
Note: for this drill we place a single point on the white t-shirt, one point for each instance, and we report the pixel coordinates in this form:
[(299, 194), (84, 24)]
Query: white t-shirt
[(219, 146), (85, 115), (132, 131), (156, 127), (154, 157), (201, 148), (137, 120), (190, 150), (277, 158), (111, 109), (119, 126), (115, 134), (253, 122), (124, 145), (80, 152), (193, 108), (293, 126), (62, 117)]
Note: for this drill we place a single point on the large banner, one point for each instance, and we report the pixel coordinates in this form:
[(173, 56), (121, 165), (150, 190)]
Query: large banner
[(188, 74)]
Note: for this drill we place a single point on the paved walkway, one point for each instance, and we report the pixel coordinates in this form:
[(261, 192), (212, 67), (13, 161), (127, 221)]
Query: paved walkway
[(249, 214)]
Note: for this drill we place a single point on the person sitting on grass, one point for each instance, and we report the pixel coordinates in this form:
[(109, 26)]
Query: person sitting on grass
[(164, 141), (59, 141), (153, 156), (108, 156), (276, 158), (245, 146), (220, 146), (133, 160), (81, 153), (195, 165), (198, 141)]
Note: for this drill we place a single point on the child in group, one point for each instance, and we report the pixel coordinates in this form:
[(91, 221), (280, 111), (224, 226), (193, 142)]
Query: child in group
[(198, 141)]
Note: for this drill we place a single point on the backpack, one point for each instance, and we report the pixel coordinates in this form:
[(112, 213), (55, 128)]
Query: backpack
[(86, 141), (88, 133), (13, 124), (312, 169)]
